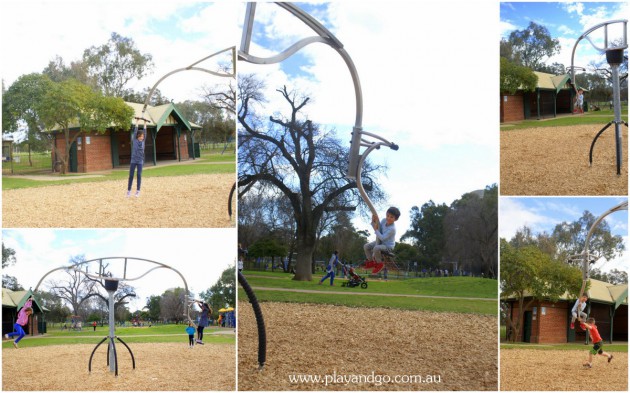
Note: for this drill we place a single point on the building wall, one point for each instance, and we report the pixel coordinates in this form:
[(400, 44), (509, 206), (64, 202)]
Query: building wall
[(512, 108), (97, 153), (553, 324), (620, 321)]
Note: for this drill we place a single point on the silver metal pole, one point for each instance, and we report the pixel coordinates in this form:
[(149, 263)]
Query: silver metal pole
[(112, 333)]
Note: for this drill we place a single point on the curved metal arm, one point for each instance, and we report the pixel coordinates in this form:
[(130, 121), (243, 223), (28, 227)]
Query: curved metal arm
[(606, 47), (585, 253), (324, 36), (193, 68), (102, 276)]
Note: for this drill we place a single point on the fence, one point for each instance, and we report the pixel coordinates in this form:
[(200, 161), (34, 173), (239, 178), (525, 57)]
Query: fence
[(21, 162)]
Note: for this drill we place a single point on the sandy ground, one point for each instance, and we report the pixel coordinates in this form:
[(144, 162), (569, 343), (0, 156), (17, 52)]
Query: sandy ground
[(168, 366), (554, 161), (191, 201), (374, 345), (544, 370)]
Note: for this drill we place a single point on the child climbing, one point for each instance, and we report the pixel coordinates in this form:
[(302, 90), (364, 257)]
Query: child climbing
[(385, 232), (22, 320)]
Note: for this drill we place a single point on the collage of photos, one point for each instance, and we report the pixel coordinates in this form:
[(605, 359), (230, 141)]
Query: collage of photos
[(266, 196)]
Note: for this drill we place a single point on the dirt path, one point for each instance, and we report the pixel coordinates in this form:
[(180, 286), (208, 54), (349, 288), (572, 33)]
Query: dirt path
[(367, 349), (554, 161), (190, 201), (370, 294)]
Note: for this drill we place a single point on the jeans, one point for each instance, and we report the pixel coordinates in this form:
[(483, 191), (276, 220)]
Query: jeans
[(132, 168), (18, 331), (330, 274)]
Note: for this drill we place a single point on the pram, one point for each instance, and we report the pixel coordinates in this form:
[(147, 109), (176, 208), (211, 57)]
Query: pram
[(354, 280)]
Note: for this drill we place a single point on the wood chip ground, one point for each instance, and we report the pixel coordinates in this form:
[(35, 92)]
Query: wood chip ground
[(356, 342), (554, 161), (191, 201)]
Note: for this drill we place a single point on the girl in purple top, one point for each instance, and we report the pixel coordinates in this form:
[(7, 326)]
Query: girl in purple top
[(137, 157), (22, 320)]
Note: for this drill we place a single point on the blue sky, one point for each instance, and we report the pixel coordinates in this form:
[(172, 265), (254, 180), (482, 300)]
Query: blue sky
[(566, 21), (200, 255), (425, 87), (176, 33), (542, 214)]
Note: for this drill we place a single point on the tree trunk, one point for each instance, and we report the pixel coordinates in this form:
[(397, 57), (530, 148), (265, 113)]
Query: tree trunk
[(304, 262)]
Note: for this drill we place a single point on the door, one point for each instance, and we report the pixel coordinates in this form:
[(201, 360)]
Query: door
[(527, 326), (73, 165)]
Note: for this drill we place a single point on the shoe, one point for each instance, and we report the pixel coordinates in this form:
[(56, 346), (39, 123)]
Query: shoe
[(610, 358), (7, 337), (200, 342), (137, 194), (572, 325), (128, 194), (15, 345), (587, 365), (378, 267), (369, 264)]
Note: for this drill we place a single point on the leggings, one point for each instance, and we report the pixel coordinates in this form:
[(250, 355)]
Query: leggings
[(132, 168), (200, 333), (18, 331), (191, 339)]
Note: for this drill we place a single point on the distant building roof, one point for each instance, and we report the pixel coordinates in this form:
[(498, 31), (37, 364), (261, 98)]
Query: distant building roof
[(552, 82), (18, 298), (600, 292)]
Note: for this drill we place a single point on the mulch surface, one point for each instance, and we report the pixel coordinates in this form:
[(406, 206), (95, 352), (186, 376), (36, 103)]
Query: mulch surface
[(554, 161), (545, 370), (191, 201), (375, 344), (167, 366)]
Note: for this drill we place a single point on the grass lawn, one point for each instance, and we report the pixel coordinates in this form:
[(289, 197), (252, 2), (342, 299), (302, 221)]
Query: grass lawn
[(431, 286), (200, 166), (567, 347), (447, 286), (600, 118), (154, 334)]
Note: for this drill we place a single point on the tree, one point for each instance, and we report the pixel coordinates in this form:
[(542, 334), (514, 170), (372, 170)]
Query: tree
[(615, 276), (291, 156), (530, 46), (173, 305), (70, 104), (267, 247), (471, 226), (76, 288), (114, 64), (57, 311), (570, 239), (427, 232), (8, 259), (223, 292), (529, 272), (153, 307), (513, 77)]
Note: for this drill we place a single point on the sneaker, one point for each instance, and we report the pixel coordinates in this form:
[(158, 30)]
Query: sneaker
[(128, 194), (378, 267), (200, 342), (587, 365), (369, 264), (15, 345), (137, 194), (7, 337), (572, 325), (610, 358)]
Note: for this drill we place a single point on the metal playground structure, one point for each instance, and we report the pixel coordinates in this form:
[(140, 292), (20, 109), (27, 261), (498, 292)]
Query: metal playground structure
[(614, 52), (109, 282), (360, 138)]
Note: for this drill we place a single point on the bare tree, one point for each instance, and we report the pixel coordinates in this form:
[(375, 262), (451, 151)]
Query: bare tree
[(75, 288), (295, 158)]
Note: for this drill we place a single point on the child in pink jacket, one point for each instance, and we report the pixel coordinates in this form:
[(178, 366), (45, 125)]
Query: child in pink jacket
[(22, 320)]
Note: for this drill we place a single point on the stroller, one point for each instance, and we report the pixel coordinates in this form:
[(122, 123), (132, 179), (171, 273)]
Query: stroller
[(355, 280)]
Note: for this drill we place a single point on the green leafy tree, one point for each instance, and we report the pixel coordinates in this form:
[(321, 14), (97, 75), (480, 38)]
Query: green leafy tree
[(8, 259), (72, 104), (267, 247), (529, 47), (427, 232), (513, 77), (153, 307), (115, 63), (223, 292), (529, 273), (615, 276)]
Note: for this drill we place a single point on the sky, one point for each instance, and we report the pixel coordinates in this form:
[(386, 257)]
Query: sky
[(542, 214), (567, 21), (427, 83), (176, 33), (200, 255)]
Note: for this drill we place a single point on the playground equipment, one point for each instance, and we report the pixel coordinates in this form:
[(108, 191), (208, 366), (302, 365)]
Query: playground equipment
[(110, 282), (585, 257), (614, 57)]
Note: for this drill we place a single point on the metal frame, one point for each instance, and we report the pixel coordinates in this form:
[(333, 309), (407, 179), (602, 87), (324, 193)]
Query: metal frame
[(110, 283), (323, 36), (611, 52)]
